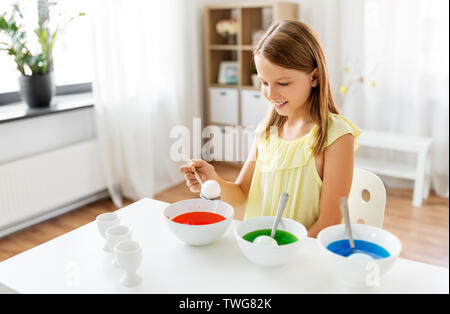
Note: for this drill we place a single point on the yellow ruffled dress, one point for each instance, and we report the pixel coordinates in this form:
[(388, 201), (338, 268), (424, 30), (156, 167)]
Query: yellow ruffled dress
[(289, 166)]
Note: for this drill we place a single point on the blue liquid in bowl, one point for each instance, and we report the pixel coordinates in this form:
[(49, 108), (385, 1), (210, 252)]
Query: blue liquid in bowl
[(342, 247)]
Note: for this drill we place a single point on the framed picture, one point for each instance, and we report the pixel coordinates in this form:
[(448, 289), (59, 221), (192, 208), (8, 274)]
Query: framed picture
[(228, 73)]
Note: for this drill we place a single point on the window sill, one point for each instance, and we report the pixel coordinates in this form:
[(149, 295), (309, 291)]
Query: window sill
[(19, 110)]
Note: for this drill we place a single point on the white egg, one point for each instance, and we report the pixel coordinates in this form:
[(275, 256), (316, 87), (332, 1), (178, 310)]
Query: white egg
[(361, 257), (210, 189), (265, 240)]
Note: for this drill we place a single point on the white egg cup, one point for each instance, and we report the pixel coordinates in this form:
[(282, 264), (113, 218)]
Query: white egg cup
[(105, 221), (129, 256), (115, 235)]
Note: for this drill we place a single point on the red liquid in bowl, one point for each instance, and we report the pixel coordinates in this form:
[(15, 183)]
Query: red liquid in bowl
[(198, 218)]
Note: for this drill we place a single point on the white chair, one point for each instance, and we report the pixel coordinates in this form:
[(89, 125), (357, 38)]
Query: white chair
[(370, 212)]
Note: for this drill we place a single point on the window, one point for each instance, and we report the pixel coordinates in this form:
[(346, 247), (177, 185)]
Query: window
[(71, 53)]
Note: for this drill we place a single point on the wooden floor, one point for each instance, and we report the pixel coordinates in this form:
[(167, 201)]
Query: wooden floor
[(424, 231)]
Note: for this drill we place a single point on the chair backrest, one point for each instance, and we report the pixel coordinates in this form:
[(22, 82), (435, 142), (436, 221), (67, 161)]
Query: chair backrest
[(370, 212)]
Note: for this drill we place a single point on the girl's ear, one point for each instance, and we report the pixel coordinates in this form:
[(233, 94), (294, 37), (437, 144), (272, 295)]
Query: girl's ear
[(315, 77)]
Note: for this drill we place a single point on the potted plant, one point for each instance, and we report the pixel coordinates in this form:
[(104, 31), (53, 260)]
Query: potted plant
[(36, 66)]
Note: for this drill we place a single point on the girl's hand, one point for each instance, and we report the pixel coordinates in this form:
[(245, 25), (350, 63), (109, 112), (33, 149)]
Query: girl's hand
[(205, 170)]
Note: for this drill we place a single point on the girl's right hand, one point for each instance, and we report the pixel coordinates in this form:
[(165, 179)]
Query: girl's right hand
[(205, 170)]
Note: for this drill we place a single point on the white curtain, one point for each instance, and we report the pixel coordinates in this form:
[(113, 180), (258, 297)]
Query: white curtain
[(145, 83), (403, 47)]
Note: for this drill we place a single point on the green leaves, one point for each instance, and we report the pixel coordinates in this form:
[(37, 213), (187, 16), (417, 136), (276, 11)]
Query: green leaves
[(3, 23), (43, 62), (16, 48), (13, 27)]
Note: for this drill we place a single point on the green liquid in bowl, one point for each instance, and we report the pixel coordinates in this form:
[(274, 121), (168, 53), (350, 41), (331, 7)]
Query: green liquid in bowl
[(281, 236)]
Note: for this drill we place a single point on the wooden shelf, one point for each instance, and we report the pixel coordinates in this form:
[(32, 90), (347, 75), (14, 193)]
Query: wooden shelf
[(232, 47), (259, 4), (249, 87), (223, 85), (247, 47), (224, 47), (252, 18)]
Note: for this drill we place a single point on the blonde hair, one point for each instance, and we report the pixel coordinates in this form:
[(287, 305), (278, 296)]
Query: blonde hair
[(294, 45)]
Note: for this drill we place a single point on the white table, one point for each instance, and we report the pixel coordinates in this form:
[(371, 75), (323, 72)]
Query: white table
[(75, 263)]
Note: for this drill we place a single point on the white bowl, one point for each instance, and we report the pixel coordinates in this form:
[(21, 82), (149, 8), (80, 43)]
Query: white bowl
[(359, 273), (270, 256), (198, 234)]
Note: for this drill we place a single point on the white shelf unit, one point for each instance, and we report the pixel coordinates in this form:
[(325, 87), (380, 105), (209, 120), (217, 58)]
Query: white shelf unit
[(251, 17), (417, 145)]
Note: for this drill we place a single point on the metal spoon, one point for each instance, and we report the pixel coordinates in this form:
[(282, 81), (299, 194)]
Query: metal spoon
[(198, 177), (270, 241), (343, 205), (281, 206), (351, 253)]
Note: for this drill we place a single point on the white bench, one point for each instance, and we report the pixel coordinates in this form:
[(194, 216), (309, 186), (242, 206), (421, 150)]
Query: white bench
[(419, 145)]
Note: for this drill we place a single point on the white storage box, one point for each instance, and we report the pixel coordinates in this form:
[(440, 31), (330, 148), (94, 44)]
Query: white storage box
[(224, 104)]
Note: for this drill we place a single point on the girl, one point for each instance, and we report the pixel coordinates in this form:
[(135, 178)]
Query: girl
[(304, 148)]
